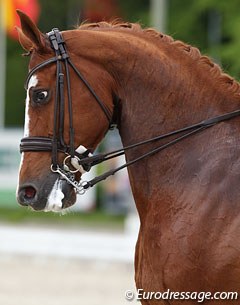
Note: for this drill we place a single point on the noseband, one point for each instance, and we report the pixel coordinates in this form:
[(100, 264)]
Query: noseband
[(80, 158)]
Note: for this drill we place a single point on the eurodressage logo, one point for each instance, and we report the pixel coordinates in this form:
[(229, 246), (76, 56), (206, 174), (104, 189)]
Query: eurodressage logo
[(170, 295)]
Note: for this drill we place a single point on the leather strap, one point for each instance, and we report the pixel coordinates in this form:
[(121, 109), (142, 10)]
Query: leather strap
[(56, 143)]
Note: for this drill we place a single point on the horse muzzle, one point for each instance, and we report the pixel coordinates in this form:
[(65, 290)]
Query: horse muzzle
[(54, 194)]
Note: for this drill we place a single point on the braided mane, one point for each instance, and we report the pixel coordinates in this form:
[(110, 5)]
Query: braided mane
[(216, 72)]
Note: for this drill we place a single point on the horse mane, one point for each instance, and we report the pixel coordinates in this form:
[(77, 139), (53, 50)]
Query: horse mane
[(205, 62)]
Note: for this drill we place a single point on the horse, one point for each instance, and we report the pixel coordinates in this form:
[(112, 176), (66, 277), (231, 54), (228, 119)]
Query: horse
[(149, 84)]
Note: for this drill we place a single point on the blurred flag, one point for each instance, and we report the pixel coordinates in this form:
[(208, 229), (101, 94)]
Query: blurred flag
[(98, 10), (9, 16)]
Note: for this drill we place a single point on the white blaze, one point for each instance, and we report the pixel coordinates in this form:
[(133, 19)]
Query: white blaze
[(55, 197), (32, 83)]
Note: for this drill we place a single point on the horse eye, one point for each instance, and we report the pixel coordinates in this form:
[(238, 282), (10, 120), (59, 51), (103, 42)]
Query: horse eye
[(40, 96)]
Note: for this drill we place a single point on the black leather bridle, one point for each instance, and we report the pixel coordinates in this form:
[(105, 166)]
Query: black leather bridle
[(57, 144)]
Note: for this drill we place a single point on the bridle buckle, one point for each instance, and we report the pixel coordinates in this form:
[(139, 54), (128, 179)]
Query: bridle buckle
[(70, 178)]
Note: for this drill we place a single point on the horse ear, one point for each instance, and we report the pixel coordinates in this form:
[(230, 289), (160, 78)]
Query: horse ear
[(24, 41), (30, 36)]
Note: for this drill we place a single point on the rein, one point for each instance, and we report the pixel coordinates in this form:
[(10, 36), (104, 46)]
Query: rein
[(190, 130), (81, 159)]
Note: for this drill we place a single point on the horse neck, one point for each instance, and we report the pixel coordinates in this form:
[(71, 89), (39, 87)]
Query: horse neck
[(162, 91), (157, 82)]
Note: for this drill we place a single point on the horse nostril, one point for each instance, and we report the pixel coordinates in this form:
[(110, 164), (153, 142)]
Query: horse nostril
[(27, 195), (29, 192)]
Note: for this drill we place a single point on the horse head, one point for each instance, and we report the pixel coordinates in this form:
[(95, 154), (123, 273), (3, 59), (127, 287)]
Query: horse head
[(65, 113)]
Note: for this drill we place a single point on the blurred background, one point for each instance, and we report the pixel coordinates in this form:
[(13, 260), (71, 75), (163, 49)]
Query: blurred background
[(85, 256)]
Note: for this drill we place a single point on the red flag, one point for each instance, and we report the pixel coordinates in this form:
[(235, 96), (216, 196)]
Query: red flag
[(30, 7)]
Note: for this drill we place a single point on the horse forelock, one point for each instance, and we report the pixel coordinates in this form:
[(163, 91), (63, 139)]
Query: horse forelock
[(206, 64)]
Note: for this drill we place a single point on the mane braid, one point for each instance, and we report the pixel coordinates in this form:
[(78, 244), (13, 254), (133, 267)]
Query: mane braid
[(216, 72)]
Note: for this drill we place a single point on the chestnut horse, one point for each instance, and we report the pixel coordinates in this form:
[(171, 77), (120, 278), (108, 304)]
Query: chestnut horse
[(187, 196)]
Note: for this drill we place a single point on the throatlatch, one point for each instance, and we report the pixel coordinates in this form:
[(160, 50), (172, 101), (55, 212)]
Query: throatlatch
[(81, 159)]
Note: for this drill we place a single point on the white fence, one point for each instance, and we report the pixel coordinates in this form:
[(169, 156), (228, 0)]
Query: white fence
[(9, 167), (67, 243), (9, 158)]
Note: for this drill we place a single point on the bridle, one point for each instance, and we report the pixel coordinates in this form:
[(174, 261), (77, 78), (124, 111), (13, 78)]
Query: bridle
[(61, 59), (80, 158), (56, 143)]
